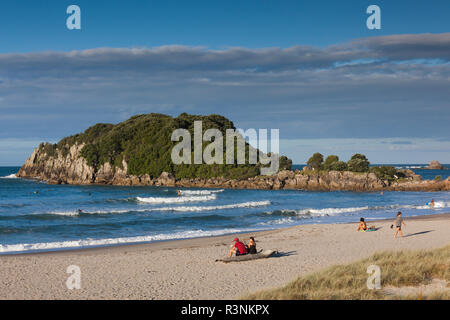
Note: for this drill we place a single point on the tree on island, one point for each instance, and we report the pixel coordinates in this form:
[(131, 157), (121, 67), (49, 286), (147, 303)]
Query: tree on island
[(315, 162), (339, 166), (358, 163), (285, 163), (330, 161)]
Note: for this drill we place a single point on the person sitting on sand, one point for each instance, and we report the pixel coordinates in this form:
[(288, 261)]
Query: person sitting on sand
[(398, 224), (251, 248), (362, 225), (238, 248)]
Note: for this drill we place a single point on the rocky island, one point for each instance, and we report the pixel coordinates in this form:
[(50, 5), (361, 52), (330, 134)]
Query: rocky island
[(435, 165), (136, 152)]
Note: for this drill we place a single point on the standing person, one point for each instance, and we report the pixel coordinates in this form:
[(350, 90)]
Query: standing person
[(398, 224), (238, 248)]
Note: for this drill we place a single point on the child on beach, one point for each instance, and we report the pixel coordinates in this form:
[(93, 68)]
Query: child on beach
[(398, 224)]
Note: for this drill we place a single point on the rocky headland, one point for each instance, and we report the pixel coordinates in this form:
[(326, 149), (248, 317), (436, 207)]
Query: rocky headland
[(137, 152), (74, 169)]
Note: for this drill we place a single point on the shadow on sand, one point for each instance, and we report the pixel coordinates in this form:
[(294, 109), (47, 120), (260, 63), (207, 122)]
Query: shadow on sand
[(417, 233), (280, 254)]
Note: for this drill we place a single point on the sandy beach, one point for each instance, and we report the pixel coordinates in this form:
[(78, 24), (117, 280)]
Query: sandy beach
[(186, 269)]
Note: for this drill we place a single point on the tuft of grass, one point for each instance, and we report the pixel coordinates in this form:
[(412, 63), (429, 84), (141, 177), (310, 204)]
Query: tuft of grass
[(344, 282)]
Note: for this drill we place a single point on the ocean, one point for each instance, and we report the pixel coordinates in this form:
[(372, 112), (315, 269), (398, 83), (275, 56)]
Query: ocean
[(35, 216)]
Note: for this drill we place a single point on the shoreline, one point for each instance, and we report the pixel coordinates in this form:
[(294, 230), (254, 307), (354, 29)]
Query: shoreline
[(176, 243), (187, 269), (313, 183), (71, 170)]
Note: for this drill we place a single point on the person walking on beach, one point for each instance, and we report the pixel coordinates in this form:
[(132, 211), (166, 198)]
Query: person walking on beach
[(398, 224)]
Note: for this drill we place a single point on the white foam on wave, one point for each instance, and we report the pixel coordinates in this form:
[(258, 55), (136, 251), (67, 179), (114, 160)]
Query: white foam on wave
[(77, 244), (11, 176), (437, 205), (441, 204), (182, 199), (251, 204), (286, 220), (76, 213), (331, 211), (63, 213), (200, 192), (310, 212)]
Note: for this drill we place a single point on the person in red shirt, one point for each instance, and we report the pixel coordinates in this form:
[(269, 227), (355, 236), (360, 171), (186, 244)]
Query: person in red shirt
[(238, 248)]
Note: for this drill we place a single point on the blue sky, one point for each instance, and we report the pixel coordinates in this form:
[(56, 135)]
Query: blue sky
[(310, 68), (40, 25)]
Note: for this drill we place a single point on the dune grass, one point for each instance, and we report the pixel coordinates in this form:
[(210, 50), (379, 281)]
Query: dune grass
[(398, 269)]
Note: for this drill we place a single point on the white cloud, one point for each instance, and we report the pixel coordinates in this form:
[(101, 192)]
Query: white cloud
[(374, 88)]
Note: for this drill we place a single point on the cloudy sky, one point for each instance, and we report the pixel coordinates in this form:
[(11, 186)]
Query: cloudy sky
[(313, 71)]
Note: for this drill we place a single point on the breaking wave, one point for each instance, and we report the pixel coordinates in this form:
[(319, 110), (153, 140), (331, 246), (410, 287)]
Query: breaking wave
[(411, 167), (251, 204), (316, 212), (77, 244), (200, 192), (11, 176), (310, 212), (286, 220), (182, 199)]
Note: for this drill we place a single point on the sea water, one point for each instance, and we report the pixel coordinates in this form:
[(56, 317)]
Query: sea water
[(36, 216)]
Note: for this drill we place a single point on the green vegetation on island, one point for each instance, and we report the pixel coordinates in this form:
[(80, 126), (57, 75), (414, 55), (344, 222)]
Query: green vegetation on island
[(357, 163), (144, 142)]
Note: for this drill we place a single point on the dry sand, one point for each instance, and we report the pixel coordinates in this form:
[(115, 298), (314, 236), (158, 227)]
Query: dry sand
[(186, 269)]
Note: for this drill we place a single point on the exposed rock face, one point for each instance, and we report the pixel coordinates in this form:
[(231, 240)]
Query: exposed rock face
[(435, 165), (331, 181), (166, 179), (410, 175), (73, 169), (70, 169)]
